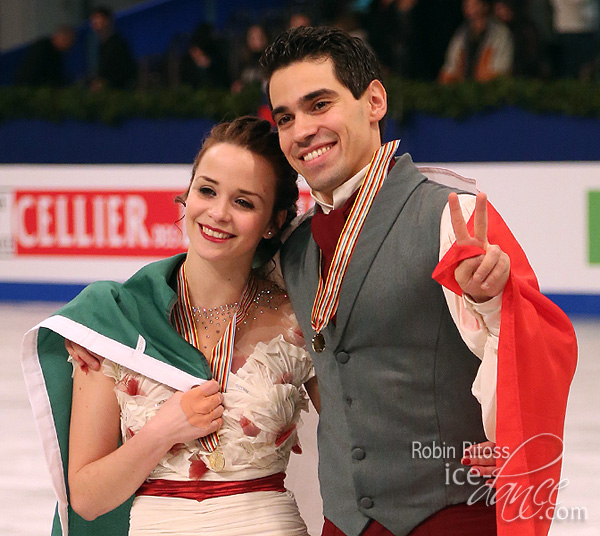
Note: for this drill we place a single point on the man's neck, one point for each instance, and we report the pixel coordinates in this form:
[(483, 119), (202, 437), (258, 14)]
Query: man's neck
[(341, 194)]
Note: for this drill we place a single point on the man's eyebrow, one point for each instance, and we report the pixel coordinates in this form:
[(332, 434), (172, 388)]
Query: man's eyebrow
[(306, 98)]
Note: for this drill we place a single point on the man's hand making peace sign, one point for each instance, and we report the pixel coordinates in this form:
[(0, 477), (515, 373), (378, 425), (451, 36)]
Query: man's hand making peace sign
[(484, 276)]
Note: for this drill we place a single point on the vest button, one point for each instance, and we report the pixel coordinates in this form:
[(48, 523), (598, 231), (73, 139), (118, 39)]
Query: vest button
[(358, 453), (342, 358), (366, 502)]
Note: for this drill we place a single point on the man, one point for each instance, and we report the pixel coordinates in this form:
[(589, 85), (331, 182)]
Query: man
[(43, 63), (116, 66), (394, 371), (481, 48)]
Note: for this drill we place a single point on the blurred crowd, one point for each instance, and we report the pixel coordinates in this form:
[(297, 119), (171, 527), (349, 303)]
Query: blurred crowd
[(443, 40)]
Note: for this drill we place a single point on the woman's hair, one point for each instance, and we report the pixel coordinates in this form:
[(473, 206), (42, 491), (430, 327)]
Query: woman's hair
[(256, 135)]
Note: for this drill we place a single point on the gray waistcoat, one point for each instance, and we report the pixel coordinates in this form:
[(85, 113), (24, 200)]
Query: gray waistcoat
[(395, 377)]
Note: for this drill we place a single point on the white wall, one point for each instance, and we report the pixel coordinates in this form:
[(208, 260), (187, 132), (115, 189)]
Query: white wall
[(545, 204)]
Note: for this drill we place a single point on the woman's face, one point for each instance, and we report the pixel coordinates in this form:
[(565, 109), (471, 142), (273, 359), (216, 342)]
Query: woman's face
[(229, 207)]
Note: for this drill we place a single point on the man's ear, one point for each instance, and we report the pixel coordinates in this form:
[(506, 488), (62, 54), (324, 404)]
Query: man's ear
[(377, 99)]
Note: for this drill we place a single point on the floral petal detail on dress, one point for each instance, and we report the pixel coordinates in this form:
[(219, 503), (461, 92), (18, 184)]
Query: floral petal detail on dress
[(132, 387), (128, 385), (197, 468), (249, 428), (176, 448), (285, 435)]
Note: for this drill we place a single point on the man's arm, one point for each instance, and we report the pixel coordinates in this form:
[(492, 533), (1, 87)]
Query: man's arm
[(477, 313)]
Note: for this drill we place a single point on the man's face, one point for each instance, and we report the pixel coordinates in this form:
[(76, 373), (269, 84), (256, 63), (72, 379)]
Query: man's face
[(63, 40), (325, 133), (99, 22), (474, 9)]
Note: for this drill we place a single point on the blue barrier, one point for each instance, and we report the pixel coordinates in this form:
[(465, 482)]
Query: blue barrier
[(572, 304), (142, 141), (505, 135), (577, 304)]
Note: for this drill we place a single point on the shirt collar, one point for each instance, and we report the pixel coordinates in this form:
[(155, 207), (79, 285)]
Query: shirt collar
[(342, 193)]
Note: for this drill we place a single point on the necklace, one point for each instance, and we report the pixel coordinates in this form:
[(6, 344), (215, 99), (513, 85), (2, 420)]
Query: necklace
[(214, 315)]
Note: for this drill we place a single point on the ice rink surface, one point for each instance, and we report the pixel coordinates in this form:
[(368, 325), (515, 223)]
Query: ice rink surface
[(27, 500)]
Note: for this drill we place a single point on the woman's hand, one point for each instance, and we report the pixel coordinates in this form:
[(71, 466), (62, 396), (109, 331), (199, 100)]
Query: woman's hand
[(102, 474), (190, 415), (482, 459)]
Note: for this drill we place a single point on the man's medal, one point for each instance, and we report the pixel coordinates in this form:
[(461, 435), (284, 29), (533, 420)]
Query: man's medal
[(327, 297)]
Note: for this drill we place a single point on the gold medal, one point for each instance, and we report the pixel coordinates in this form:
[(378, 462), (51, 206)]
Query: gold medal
[(216, 461), (318, 343)]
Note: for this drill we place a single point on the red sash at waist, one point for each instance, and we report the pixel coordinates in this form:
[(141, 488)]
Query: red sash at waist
[(200, 490)]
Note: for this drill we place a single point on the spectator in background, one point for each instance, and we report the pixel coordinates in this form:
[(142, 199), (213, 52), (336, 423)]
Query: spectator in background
[(43, 63), (330, 10), (349, 21), (425, 29), (248, 70), (481, 49), (115, 67), (205, 62), (576, 24), (298, 19), (395, 36), (530, 58), (540, 12)]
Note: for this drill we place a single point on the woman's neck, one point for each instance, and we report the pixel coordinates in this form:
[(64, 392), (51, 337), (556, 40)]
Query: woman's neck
[(211, 285)]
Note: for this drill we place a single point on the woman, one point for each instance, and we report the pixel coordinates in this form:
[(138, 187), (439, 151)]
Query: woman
[(241, 196)]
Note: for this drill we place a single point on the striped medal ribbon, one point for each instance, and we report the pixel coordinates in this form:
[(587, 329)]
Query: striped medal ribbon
[(220, 361), (328, 293)]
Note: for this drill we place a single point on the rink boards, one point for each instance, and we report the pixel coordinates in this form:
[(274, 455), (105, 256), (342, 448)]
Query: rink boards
[(63, 226)]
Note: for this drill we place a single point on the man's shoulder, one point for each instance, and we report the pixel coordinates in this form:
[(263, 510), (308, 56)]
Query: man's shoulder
[(297, 236), (448, 179), (427, 184), (299, 226)]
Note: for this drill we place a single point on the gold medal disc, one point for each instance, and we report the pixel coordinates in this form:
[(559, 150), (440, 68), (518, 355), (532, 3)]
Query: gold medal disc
[(217, 461)]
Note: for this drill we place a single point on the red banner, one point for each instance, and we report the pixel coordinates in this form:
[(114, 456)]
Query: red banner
[(97, 222)]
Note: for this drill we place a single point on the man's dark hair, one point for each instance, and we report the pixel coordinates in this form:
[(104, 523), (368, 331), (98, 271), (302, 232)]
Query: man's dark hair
[(355, 66)]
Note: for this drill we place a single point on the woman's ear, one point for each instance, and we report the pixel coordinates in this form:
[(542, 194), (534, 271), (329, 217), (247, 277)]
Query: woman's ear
[(276, 224)]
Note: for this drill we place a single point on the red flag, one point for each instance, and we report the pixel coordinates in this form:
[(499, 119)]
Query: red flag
[(537, 355)]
